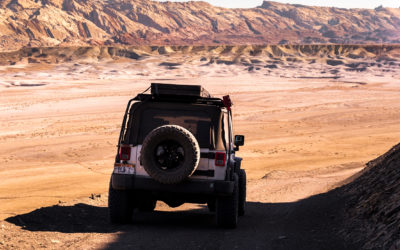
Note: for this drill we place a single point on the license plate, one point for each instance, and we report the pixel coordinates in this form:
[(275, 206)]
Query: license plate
[(124, 168)]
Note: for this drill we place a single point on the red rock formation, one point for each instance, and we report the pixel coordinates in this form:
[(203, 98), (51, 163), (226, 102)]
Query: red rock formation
[(144, 22)]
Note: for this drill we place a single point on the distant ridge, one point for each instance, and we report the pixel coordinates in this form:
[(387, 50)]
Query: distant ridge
[(218, 54), (35, 23)]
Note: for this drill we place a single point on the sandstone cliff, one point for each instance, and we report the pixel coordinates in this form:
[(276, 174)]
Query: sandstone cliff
[(144, 22)]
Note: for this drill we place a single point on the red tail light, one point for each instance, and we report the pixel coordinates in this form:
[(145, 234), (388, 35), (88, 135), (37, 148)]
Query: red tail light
[(227, 102), (125, 153), (220, 159)]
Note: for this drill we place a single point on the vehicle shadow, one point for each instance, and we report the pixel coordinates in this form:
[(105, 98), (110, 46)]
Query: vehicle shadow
[(79, 218), (313, 223)]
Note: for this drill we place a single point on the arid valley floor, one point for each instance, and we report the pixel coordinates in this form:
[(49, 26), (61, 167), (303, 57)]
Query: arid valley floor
[(310, 125)]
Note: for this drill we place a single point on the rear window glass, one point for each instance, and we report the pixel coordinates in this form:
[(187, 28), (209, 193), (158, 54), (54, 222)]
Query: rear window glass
[(198, 122)]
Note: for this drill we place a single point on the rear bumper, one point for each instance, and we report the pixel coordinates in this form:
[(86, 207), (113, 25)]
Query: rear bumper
[(210, 187)]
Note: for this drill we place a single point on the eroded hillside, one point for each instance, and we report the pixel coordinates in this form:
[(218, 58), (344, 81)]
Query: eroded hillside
[(374, 203), (333, 55), (78, 22)]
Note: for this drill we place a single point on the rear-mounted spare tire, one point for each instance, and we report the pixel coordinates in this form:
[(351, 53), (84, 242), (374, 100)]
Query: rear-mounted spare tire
[(170, 154)]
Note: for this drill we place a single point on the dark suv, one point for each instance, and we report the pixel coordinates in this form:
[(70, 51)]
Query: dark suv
[(176, 145)]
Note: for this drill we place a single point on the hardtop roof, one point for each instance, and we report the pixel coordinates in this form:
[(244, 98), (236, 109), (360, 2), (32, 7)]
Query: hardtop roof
[(177, 93)]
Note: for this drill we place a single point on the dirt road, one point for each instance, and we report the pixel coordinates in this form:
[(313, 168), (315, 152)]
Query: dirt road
[(59, 126), (310, 224)]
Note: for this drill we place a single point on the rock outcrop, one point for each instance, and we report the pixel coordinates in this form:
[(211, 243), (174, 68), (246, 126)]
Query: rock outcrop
[(374, 203), (144, 22)]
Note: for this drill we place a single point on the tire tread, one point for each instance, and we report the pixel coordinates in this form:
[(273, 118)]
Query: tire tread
[(227, 208), (120, 206), (242, 192), (189, 169)]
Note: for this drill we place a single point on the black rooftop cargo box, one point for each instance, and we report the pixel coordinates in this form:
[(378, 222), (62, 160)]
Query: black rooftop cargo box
[(159, 89)]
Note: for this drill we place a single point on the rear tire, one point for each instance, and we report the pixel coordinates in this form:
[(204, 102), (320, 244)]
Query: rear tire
[(242, 192), (227, 207), (120, 205)]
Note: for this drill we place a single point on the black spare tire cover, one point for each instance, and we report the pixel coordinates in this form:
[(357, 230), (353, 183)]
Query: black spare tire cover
[(170, 154)]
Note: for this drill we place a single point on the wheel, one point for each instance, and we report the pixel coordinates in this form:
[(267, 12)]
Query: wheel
[(120, 205), (211, 205), (170, 154), (227, 207), (147, 205), (242, 192)]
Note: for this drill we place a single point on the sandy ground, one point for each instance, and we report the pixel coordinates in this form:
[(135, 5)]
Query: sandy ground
[(308, 128)]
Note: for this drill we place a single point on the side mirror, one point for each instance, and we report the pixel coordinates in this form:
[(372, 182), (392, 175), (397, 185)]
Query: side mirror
[(239, 141)]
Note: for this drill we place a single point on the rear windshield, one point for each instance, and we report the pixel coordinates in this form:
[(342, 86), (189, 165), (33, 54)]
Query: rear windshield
[(197, 122), (201, 120)]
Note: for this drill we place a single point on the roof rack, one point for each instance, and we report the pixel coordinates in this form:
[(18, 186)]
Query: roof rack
[(172, 98), (179, 93), (159, 89)]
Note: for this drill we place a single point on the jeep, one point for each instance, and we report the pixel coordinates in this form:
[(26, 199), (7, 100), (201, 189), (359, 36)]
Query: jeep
[(176, 145)]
